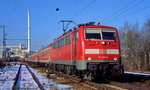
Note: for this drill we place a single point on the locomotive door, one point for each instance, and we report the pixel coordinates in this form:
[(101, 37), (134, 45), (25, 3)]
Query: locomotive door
[(74, 47)]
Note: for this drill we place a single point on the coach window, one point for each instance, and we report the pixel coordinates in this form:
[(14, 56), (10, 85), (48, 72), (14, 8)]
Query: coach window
[(47, 52), (43, 54)]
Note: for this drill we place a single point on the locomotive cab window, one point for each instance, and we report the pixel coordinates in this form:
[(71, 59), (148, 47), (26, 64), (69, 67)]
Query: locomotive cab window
[(100, 34), (108, 34), (92, 34)]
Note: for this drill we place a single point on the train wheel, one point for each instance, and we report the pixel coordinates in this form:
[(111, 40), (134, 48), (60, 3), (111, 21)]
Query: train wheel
[(73, 70), (94, 76), (65, 69), (81, 74), (97, 76)]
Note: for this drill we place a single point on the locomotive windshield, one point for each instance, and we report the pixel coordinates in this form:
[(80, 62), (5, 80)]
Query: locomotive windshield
[(108, 34), (93, 34), (100, 34)]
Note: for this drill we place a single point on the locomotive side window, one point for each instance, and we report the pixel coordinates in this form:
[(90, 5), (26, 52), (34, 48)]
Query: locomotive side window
[(77, 35), (108, 34), (67, 40), (92, 34), (56, 44), (62, 42)]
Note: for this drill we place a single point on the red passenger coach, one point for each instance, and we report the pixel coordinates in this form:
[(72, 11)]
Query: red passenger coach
[(87, 50)]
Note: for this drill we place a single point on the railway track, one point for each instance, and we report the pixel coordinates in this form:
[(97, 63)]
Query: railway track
[(35, 78), (132, 79), (15, 86), (107, 85), (126, 86), (17, 82)]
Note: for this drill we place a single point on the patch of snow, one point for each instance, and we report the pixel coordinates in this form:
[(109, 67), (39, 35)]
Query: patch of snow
[(6, 85), (62, 87), (7, 76), (137, 73), (26, 80), (47, 83)]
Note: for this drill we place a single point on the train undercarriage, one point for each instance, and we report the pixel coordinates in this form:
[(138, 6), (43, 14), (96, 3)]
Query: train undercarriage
[(94, 72)]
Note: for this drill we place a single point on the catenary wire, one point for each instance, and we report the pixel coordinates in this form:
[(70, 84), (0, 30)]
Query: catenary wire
[(118, 11), (46, 35), (82, 9), (124, 11), (137, 11)]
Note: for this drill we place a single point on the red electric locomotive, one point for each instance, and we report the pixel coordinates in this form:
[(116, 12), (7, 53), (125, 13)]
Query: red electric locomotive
[(87, 50)]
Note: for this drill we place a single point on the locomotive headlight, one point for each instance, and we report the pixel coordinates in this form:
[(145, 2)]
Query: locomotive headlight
[(103, 43), (89, 58), (115, 58)]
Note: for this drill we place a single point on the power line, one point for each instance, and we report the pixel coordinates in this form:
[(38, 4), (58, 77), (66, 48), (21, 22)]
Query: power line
[(139, 10), (46, 35), (130, 3), (125, 10), (51, 13), (82, 9), (75, 14), (40, 19)]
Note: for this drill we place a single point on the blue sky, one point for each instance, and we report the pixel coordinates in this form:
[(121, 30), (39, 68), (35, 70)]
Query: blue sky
[(45, 18)]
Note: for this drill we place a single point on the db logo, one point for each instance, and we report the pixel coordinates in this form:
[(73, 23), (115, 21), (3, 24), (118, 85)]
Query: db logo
[(103, 57), (100, 57), (102, 51)]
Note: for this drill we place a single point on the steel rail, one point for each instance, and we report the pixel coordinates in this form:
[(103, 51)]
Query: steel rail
[(109, 85), (35, 78), (89, 84), (126, 86), (15, 86)]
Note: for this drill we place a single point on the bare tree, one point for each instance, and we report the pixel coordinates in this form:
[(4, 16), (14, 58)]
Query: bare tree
[(131, 46), (135, 46), (145, 35)]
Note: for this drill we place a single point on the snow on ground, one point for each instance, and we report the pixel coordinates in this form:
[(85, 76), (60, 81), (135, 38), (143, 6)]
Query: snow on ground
[(137, 73), (26, 81), (47, 83), (7, 76)]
